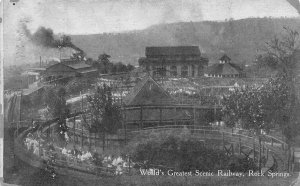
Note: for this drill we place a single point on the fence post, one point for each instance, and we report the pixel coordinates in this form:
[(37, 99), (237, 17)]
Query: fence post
[(129, 164), (267, 153), (223, 140), (18, 128), (160, 116), (90, 141), (194, 115), (49, 130), (141, 118), (175, 107), (253, 148), (259, 159), (39, 147), (240, 145), (289, 158), (272, 142), (81, 134), (215, 112), (74, 129), (124, 124)]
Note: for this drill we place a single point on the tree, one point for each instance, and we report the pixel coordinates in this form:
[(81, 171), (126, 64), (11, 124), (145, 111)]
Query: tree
[(106, 115), (119, 67), (130, 67), (257, 108), (244, 106), (281, 53), (104, 65), (55, 100)]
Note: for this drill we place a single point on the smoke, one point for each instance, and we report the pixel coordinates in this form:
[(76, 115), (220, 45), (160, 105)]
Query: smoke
[(46, 38)]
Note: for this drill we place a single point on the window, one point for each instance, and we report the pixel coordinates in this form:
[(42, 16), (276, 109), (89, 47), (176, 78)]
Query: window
[(160, 71), (184, 71), (173, 71), (200, 70), (193, 70)]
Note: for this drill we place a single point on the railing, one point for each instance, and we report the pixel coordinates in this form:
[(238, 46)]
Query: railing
[(273, 145), (60, 162), (269, 140)]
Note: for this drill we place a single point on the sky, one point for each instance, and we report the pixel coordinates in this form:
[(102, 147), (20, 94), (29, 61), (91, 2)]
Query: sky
[(98, 16)]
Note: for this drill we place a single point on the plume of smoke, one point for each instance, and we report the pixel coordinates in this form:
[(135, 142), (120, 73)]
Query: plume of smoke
[(46, 38)]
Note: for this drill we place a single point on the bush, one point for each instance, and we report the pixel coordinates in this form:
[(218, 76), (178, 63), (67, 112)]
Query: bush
[(179, 151), (182, 155)]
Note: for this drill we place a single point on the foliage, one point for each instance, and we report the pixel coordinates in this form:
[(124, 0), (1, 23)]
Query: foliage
[(257, 108), (186, 155), (281, 53), (105, 66), (276, 101), (106, 115), (241, 164), (55, 99)]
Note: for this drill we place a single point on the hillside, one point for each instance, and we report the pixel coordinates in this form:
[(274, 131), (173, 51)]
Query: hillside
[(240, 39)]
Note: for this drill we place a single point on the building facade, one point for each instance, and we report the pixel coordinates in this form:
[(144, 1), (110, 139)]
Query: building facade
[(69, 69), (225, 69), (173, 61)]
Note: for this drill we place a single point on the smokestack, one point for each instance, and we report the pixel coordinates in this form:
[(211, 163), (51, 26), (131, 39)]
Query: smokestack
[(40, 61)]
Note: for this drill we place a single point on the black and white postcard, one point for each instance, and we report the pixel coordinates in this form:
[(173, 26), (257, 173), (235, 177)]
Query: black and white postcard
[(150, 92)]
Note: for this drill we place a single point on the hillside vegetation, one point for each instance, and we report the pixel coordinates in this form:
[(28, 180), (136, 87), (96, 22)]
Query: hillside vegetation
[(240, 39)]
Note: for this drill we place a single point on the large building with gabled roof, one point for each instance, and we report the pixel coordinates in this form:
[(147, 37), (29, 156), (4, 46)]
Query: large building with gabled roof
[(67, 68), (173, 61)]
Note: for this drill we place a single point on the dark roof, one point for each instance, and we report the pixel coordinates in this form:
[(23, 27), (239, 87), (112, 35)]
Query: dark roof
[(29, 91), (225, 58), (224, 69), (79, 65), (148, 92), (84, 71), (173, 51), (198, 59), (36, 69)]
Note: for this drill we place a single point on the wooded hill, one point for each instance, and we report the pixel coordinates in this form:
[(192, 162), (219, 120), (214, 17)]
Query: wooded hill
[(240, 39)]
